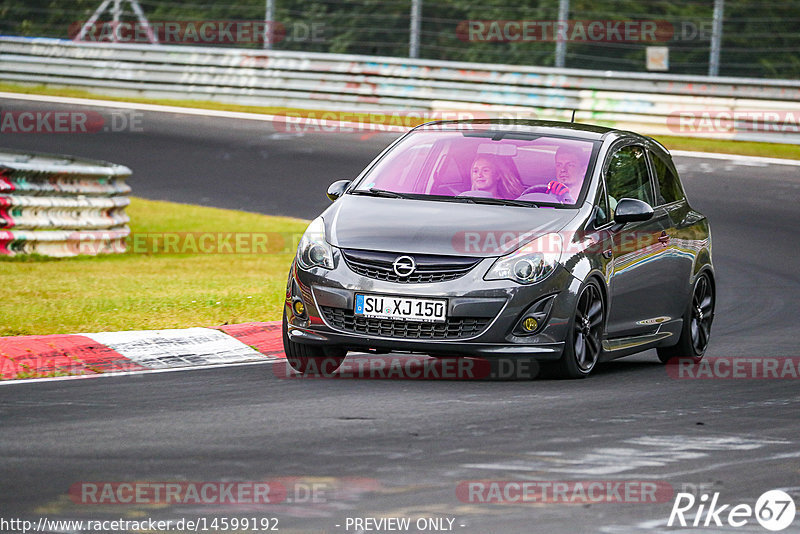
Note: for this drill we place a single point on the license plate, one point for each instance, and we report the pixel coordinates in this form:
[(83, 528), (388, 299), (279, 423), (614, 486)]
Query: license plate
[(402, 308)]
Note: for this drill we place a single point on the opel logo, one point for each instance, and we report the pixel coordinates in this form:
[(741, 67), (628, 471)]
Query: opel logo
[(404, 266)]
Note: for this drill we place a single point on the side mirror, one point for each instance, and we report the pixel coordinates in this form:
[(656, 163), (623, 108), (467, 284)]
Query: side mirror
[(337, 189), (632, 210)]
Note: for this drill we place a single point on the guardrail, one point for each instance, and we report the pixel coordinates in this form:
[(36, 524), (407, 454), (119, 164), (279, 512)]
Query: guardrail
[(61, 206), (737, 108)]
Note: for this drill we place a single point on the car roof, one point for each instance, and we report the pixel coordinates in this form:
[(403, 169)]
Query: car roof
[(542, 127)]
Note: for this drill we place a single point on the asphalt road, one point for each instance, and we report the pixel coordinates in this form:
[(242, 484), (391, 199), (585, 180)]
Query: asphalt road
[(401, 448), (227, 163)]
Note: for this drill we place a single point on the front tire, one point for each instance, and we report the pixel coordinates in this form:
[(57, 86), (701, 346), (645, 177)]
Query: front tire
[(584, 342), (697, 319), (310, 359)]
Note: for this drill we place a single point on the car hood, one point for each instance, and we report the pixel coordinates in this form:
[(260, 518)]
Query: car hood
[(436, 227)]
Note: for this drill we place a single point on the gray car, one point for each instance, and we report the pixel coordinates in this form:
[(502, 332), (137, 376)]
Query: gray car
[(562, 243)]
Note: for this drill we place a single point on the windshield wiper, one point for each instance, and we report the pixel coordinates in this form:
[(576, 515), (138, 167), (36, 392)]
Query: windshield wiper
[(501, 201), (374, 192)]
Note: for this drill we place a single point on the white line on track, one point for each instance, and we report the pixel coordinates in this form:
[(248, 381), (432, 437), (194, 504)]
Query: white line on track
[(735, 157), (281, 118), (137, 372), (361, 126)]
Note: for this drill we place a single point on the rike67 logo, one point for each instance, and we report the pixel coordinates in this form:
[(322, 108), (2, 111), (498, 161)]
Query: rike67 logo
[(774, 510)]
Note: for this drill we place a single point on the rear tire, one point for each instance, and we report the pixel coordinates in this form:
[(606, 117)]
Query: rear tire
[(697, 319), (584, 342), (310, 359)]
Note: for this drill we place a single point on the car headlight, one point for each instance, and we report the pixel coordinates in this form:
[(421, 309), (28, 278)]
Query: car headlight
[(530, 263), (313, 250)]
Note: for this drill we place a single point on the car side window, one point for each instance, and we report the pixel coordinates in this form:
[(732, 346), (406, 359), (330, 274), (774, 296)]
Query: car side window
[(602, 213), (627, 175), (669, 186)]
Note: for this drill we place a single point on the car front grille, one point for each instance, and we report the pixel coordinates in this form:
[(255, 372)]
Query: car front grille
[(452, 328), (430, 268)]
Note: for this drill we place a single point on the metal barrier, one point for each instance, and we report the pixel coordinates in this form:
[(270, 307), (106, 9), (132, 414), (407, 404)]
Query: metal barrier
[(737, 108), (61, 206)]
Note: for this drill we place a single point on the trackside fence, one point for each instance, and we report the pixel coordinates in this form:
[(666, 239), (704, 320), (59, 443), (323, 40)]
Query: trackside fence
[(730, 108)]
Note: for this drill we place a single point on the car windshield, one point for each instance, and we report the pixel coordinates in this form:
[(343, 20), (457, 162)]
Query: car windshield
[(482, 166)]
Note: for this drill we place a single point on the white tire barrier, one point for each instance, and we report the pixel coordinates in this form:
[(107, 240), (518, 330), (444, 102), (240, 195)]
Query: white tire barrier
[(61, 206)]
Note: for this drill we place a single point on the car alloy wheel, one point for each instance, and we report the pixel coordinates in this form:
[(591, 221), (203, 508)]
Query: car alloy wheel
[(697, 319), (702, 314), (584, 342)]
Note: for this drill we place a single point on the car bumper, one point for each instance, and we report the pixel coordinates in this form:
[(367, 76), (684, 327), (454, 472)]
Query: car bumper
[(491, 310)]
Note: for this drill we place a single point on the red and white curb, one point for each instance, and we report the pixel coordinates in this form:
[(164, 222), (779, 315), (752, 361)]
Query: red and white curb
[(83, 355)]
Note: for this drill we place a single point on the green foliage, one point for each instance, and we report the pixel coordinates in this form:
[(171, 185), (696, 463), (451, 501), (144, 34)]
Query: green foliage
[(760, 37)]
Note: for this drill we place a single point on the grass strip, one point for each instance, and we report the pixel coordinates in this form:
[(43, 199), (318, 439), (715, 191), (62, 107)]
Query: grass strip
[(158, 284)]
